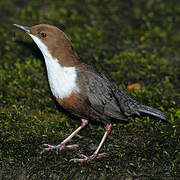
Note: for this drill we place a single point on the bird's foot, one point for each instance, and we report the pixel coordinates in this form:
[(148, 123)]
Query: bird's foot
[(86, 158), (59, 147)]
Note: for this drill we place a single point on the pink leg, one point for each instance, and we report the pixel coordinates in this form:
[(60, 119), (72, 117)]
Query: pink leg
[(62, 145), (96, 154)]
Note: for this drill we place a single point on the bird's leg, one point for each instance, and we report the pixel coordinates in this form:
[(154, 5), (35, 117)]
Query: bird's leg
[(62, 145), (96, 154)]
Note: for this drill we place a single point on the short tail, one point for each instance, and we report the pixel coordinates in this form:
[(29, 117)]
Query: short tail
[(152, 111)]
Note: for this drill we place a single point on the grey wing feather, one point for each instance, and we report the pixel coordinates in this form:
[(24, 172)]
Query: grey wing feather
[(100, 95), (98, 91)]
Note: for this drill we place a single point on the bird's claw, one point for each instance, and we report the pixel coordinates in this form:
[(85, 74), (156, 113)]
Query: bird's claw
[(86, 158), (48, 147)]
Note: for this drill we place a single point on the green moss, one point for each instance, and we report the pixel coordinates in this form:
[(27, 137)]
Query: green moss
[(130, 41)]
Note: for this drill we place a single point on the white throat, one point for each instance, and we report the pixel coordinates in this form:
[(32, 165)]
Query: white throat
[(62, 80)]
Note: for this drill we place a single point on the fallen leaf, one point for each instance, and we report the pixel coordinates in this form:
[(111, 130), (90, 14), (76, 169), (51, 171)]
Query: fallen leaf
[(142, 38), (134, 86), (150, 14)]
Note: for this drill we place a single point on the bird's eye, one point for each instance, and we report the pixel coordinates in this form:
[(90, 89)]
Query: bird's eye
[(43, 35)]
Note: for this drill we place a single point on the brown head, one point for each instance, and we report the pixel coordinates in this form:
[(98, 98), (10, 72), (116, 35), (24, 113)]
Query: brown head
[(56, 42)]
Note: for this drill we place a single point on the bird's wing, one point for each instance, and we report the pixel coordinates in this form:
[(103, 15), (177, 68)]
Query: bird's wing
[(100, 94), (98, 90)]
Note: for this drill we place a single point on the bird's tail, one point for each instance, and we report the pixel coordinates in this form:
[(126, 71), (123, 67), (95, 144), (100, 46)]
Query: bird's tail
[(152, 111)]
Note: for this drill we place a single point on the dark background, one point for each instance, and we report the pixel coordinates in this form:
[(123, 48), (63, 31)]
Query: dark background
[(132, 42)]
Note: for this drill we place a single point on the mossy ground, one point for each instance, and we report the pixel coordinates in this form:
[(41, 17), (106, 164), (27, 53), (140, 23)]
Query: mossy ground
[(131, 41)]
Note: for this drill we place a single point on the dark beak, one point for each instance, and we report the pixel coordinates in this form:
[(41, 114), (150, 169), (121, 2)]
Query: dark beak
[(25, 28)]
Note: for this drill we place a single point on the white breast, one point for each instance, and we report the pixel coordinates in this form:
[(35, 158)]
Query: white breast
[(62, 80)]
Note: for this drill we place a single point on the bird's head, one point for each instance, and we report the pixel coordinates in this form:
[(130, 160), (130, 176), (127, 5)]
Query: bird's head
[(51, 41)]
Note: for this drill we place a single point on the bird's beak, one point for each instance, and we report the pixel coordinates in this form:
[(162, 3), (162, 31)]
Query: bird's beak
[(25, 28)]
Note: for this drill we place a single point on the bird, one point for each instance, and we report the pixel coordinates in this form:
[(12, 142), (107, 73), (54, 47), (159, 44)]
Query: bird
[(81, 90)]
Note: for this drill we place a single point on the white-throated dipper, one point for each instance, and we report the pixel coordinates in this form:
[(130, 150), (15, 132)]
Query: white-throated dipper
[(80, 89)]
